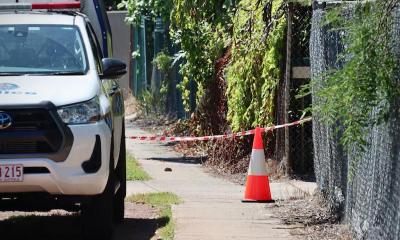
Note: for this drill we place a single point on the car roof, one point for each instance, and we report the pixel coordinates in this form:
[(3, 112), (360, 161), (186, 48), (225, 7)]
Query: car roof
[(29, 17)]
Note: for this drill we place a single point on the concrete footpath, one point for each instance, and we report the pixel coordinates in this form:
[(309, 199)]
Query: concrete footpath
[(211, 207)]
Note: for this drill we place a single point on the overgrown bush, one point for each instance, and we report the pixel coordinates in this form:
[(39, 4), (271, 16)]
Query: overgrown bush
[(151, 103), (201, 29), (255, 69), (148, 8)]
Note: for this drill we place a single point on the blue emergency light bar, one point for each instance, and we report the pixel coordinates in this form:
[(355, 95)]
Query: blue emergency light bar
[(40, 6)]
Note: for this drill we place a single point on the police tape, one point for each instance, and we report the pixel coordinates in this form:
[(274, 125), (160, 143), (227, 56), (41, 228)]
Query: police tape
[(214, 137)]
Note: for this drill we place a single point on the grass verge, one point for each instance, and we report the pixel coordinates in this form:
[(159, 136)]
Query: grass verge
[(163, 202), (134, 171)]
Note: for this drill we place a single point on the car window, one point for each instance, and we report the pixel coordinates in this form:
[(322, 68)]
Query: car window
[(95, 47), (41, 49)]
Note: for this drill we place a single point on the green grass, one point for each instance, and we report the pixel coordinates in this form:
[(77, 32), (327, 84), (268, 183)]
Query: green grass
[(134, 171), (163, 202)]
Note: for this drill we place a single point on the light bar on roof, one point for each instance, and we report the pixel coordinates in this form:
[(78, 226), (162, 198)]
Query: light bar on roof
[(40, 6), (15, 6), (56, 5)]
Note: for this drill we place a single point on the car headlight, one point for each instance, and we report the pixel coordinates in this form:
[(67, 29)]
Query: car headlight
[(86, 112)]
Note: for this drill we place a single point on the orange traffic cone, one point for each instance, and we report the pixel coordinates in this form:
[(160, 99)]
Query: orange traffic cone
[(257, 184)]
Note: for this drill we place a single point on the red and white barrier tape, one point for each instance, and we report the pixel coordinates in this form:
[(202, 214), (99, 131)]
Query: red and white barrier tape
[(207, 138)]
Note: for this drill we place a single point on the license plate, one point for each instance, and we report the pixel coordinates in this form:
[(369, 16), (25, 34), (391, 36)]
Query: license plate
[(11, 173)]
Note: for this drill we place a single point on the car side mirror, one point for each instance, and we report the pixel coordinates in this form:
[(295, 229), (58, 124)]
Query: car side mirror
[(113, 68)]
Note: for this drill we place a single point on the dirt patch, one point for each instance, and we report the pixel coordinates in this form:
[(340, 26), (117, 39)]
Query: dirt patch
[(155, 123), (316, 218), (141, 222)]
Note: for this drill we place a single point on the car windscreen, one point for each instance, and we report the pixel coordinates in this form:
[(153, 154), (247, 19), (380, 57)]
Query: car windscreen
[(41, 49)]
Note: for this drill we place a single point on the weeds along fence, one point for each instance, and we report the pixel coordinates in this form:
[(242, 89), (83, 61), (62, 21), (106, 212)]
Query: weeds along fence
[(370, 199), (293, 146), (291, 149), (150, 38)]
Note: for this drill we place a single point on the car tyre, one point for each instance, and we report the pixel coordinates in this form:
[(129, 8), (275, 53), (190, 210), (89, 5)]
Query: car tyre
[(119, 203), (97, 213)]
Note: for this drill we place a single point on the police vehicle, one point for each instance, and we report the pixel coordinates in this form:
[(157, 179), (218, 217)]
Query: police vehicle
[(62, 142)]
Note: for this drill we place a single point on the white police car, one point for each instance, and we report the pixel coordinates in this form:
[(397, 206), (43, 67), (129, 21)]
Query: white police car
[(62, 142)]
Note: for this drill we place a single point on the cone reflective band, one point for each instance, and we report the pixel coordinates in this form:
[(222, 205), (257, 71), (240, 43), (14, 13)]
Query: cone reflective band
[(257, 184), (39, 6)]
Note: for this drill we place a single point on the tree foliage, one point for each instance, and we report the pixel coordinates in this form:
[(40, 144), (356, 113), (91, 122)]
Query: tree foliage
[(201, 29), (111, 3), (207, 30), (148, 8)]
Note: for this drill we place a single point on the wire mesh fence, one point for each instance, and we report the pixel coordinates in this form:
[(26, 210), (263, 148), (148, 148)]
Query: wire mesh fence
[(301, 144), (301, 35), (370, 197)]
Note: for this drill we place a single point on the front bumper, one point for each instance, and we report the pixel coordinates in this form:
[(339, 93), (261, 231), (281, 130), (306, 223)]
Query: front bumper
[(67, 177)]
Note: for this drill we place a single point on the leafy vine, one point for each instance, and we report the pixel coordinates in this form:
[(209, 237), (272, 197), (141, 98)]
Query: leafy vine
[(255, 70), (201, 29)]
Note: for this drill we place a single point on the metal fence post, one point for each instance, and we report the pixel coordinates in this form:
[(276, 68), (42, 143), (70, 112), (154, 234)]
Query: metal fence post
[(158, 35), (286, 105), (142, 59), (134, 62)]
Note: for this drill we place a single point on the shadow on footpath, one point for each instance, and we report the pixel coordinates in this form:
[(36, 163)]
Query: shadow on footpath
[(69, 228), (186, 160)]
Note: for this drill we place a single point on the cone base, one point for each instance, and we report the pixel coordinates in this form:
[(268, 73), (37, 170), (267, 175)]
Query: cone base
[(257, 201), (257, 189)]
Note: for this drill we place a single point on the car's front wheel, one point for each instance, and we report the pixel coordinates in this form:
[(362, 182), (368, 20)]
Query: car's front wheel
[(98, 213), (119, 202), (97, 216)]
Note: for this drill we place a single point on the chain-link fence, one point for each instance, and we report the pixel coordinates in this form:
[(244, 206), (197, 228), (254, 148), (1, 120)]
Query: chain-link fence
[(370, 199), (301, 35), (301, 144)]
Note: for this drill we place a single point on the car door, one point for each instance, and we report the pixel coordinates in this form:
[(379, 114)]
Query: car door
[(113, 92)]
